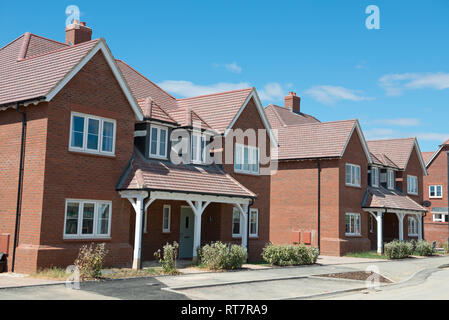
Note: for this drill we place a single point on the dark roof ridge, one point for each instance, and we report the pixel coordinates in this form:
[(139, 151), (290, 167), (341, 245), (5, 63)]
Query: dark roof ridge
[(216, 93)]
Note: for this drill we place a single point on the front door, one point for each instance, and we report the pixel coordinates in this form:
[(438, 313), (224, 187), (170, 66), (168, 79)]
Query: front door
[(186, 233)]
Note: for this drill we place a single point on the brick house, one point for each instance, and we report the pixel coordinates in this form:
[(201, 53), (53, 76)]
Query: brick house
[(333, 188), (436, 194)]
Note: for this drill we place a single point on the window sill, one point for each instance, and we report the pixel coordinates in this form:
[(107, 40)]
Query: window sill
[(247, 173), (354, 186), (436, 197), (92, 154), (412, 193), (353, 235), (157, 157), (79, 239), (166, 232)]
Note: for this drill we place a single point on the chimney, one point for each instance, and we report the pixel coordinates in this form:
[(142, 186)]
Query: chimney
[(293, 102), (77, 33)]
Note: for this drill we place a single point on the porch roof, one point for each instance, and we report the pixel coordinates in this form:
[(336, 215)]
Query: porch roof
[(381, 198), (158, 175)]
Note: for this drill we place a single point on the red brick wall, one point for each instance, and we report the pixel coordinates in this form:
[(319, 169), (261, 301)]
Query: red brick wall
[(437, 175)]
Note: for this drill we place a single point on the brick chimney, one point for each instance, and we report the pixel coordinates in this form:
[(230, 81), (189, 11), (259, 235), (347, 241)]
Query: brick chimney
[(293, 102), (77, 33)]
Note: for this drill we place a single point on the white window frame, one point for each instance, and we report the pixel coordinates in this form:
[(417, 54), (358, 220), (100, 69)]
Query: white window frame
[(375, 177), (355, 232), (353, 173), (196, 154), (251, 160), (84, 148), (164, 229), (79, 234), (444, 217), (236, 235), (412, 185), (253, 211), (158, 144), (391, 179), (414, 227), (436, 196)]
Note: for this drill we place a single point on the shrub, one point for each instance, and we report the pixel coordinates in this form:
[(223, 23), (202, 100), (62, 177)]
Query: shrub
[(424, 248), (398, 249), (445, 246), (167, 258), (90, 260), (289, 255), (220, 256)]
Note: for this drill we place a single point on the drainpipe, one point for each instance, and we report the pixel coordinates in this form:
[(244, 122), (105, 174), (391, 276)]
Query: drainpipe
[(319, 203), (447, 153), (20, 185), (248, 229)]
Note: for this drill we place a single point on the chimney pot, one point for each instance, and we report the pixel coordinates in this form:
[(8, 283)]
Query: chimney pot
[(77, 33), (293, 102)]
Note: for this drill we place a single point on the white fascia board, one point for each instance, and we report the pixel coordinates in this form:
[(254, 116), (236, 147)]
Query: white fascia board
[(101, 45), (181, 196)]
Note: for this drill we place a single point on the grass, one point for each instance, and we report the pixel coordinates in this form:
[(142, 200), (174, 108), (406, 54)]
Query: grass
[(53, 273), (366, 255)]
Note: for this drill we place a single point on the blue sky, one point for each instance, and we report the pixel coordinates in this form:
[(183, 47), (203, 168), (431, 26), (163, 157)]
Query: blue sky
[(395, 80)]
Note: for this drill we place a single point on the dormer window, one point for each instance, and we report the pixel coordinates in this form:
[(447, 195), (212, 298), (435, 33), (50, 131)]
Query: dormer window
[(375, 177), (198, 148), (391, 179), (158, 142)]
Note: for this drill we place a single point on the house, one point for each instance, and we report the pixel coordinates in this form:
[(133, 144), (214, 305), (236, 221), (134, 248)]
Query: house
[(87, 154), (436, 194), (337, 191)]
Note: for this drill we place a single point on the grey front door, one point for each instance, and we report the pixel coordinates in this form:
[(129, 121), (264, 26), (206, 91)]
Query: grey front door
[(186, 233)]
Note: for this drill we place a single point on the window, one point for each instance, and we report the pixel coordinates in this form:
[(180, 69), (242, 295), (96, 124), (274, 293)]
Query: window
[(158, 142), (236, 225), (166, 219), (87, 219), (440, 217), (198, 148), (253, 222), (92, 134), (371, 224), (374, 176), (246, 159), (352, 175), (412, 226), (435, 191), (391, 180), (412, 185), (352, 224)]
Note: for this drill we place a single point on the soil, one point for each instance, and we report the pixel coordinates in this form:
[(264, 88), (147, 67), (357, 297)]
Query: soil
[(356, 275)]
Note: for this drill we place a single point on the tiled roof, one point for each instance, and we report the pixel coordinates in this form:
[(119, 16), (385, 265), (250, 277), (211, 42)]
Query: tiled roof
[(389, 199), (188, 117), (427, 156), (165, 176), (446, 142), (315, 140), (152, 110), (281, 117), (219, 109), (397, 150), (41, 70), (383, 160), (143, 88)]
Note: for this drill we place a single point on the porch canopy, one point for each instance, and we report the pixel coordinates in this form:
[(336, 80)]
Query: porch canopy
[(147, 180), (379, 201)]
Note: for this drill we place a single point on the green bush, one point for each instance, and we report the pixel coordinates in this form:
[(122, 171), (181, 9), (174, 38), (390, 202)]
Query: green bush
[(398, 249), (424, 248), (289, 255), (90, 260), (220, 256), (445, 246), (167, 257)]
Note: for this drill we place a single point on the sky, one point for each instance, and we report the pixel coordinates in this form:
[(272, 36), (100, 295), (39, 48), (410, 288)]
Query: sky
[(394, 79)]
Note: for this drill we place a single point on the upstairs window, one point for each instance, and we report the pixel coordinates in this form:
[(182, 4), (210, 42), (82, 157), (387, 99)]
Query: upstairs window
[(375, 177), (391, 180), (158, 142), (198, 148), (435, 191), (246, 159), (352, 175), (92, 134), (412, 185)]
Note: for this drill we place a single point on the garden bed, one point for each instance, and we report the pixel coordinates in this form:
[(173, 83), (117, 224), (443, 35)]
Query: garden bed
[(355, 275)]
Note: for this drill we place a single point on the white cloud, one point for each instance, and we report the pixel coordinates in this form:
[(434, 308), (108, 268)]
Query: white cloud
[(433, 136), (271, 92), (233, 67), (388, 133), (403, 122), (332, 94), (189, 89), (395, 84)]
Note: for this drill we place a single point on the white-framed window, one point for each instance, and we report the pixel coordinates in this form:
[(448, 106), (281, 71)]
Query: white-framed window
[(412, 226), (352, 222), (412, 185), (253, 222), (158, 142), (87, 219), (236, 225), (436, 191), (166, 218), (92, 134), (246, 159), (352, 175), (371, 224), (375, 177), (198, 147), (440, 217), (391, 179)]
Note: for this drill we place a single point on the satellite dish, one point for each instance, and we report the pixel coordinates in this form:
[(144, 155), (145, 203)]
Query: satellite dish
[(427, 204)]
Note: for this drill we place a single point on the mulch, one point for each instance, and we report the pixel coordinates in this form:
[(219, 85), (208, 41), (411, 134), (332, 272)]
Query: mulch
[(356, 275)]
